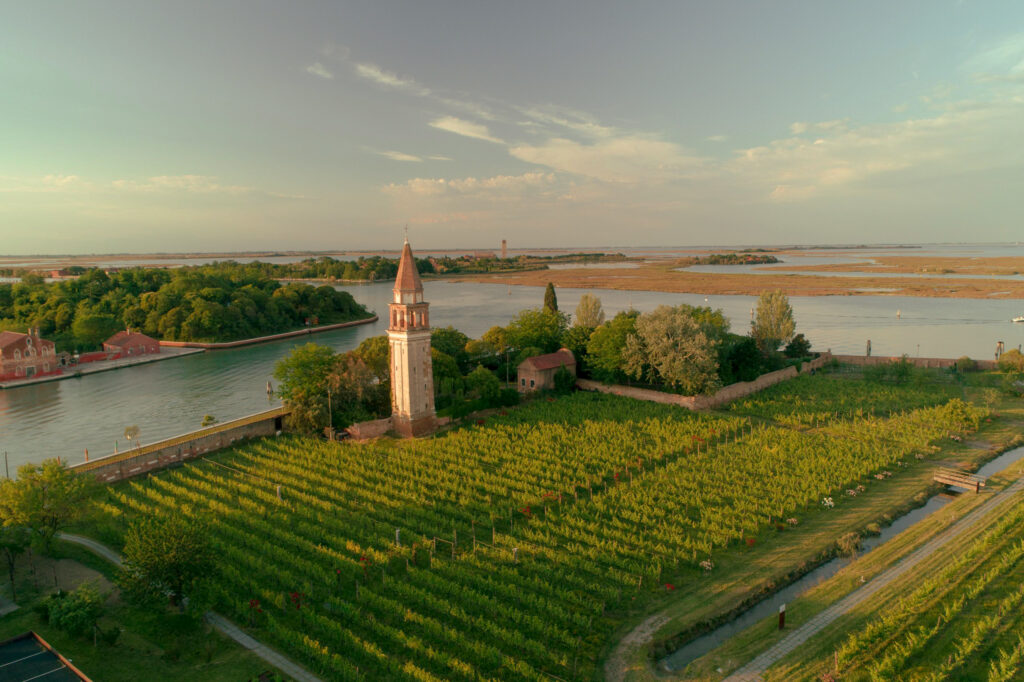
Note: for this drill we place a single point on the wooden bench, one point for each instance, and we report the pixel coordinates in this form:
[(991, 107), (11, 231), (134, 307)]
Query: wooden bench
[(960, 479)]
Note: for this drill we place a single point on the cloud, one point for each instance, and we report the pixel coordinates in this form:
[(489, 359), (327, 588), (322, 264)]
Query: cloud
[(496, 185), (440, 158), (195, 184), (626, 158), (718, 138), (394, 155), (318, 69), (965, 137), (569, 119), (374, 73), (459, 126)]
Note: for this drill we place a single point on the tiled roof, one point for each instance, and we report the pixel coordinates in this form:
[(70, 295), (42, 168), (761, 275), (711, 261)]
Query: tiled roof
[(125, 338), (562, 356), (408, 278)]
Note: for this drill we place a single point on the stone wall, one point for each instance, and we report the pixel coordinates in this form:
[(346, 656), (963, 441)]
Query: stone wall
[(174, 451), (724, 395), (935, 363), (370, 429)]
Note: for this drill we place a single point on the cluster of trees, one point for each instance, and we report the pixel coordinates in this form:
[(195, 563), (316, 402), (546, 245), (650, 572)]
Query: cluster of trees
[(218, 302), (734, 258), (682, 348)]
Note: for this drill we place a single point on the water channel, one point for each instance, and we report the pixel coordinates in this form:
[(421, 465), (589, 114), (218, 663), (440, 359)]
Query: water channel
[(164, 399), (706, 643)]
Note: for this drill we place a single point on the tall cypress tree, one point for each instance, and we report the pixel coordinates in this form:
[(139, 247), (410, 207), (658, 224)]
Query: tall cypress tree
[(550, 300)]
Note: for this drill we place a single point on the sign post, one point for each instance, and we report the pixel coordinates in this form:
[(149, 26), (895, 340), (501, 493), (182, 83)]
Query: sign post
[(782, 617)]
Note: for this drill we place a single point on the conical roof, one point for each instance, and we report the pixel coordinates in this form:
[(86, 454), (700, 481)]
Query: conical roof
[(408, 277)]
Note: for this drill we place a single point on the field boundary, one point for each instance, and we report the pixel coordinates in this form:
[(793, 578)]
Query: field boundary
[(723, 396)]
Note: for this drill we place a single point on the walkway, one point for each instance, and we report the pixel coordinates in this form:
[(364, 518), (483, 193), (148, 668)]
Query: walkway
[(753, 670), (222, 624)]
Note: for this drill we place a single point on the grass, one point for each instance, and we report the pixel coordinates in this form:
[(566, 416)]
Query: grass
[(152, 645)]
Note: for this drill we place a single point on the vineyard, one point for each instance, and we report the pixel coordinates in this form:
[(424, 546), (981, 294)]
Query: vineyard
[(961, 621), (509, 549)]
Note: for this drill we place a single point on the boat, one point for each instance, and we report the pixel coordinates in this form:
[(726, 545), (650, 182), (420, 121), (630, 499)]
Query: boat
[(1019, 318)]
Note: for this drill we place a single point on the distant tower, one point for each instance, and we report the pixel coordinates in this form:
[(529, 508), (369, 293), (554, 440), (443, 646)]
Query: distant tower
[(504, 249), (412, 375)]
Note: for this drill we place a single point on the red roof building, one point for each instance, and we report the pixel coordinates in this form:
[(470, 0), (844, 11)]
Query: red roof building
[(131, 343), (26, 355), (538, 373)]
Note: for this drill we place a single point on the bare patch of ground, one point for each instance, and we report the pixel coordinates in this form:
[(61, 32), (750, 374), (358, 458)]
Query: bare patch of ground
[(617, 665)]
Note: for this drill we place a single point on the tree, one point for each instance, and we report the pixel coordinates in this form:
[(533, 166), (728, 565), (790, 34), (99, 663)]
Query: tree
[(589, 312), (576, 339), (540, 328), (302, 384), (14, 534), (739, 359), (77, 611), (483, 382), (550, 299), (208, 420), (447, 377), (670, 344), (1011, 361), (451, 341), (376, 353), (46, 498), (166, 556), (92, 329), (604, 349), (799, 347), (131, 433), (774, 323)]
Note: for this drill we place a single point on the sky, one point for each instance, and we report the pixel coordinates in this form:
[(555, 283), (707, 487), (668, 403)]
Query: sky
[(231, 126)]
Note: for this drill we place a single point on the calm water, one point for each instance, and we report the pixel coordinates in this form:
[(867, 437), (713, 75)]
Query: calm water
[(168, 398)]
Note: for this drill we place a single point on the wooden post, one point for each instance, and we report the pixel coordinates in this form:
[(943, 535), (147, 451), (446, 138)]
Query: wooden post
[(782, 616), (398, 542), (515, 555)]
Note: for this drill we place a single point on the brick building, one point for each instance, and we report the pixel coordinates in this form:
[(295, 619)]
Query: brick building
[(131, 343), (538, 373), (26, 355)]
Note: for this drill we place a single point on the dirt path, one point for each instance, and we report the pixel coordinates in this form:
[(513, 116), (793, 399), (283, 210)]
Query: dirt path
[(753, 670), (616, 666)]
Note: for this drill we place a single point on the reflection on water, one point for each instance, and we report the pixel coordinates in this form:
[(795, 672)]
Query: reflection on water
[(168, 398)]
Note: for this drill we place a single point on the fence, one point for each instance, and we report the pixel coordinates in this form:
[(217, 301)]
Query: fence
[(173, 451)]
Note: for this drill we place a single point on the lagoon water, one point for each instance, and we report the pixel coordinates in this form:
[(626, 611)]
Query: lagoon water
[(63, 418)]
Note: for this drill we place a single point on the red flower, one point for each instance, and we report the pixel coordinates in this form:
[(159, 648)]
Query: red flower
[(669, 586)]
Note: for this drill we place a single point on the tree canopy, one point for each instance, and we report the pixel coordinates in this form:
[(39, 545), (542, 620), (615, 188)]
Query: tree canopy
[(671, 345), (589, 312), (550, 299), (773, 324)]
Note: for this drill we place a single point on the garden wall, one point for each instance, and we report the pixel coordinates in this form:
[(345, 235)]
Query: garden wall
[(263, 339), (724, 395), (934, 363), (173, 451)]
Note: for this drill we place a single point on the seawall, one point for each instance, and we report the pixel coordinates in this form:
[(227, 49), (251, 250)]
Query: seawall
[(265, 339), (173, 451)]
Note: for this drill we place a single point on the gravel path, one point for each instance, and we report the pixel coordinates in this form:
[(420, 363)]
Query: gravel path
[(753, 670), (226, 627)]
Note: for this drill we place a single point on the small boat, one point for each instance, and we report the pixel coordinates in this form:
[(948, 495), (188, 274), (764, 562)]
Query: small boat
[(1019, 318)]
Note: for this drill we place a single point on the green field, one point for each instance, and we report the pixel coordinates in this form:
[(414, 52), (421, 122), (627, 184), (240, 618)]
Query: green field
[(524, 542)]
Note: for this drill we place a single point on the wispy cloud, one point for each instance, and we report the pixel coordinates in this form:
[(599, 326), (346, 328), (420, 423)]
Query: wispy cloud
[(394, 155), (498, 184), (197, 184), (440, 158), (465, 128), (569, 119), (318, 69), (718, 138), (625, 158), (374, 73)]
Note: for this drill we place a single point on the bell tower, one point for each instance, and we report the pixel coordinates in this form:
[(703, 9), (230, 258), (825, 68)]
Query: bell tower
[(412, 374)]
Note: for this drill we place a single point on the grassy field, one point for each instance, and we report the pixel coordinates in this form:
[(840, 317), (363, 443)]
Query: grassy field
[(528, 546)]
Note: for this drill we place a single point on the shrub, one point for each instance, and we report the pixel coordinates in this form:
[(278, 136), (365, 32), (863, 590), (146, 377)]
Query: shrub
[(564, 380), (965, 364), (1011, 361), (75, 612), (799, 347)]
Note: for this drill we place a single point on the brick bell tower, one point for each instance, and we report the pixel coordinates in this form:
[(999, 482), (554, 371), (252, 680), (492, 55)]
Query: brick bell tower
[(412, 374)]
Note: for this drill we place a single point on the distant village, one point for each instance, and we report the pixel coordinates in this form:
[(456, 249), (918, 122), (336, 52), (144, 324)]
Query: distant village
[(27, 356)]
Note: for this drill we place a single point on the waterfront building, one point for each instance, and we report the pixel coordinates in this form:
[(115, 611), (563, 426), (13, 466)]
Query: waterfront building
[(26, 355), (538, 373), (412, 373), (128, 343)]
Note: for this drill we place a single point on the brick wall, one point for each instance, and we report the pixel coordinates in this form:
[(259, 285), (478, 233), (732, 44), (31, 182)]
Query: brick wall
[(935, 363), (724, 395)]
